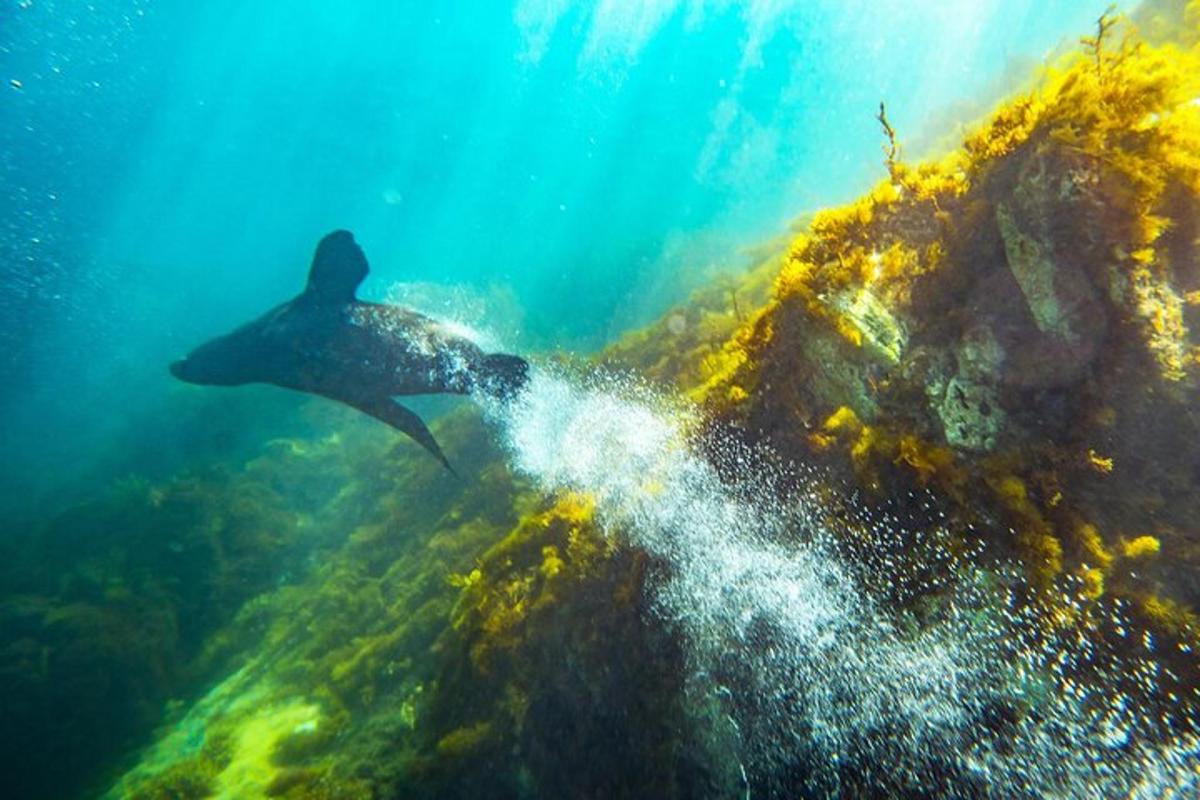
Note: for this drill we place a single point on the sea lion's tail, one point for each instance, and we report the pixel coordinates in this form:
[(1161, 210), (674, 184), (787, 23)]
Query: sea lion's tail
[(502, 375)]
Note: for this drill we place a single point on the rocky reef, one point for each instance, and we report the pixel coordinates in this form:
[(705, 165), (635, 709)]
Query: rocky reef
[(1002, 341), (1014, 326)]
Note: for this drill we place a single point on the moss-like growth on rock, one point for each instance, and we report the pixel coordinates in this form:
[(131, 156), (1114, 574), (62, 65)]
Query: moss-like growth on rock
[(1011, 323)]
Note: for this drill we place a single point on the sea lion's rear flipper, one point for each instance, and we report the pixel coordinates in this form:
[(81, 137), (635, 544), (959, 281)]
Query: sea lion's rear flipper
[(338, 267), (388, 410)]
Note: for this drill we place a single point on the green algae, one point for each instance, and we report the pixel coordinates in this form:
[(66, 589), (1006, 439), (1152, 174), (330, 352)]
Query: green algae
[(1048, 338), (348, 647), (148, 591)]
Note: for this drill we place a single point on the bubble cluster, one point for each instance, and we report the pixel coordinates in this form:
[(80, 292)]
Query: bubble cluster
[(911, 670)]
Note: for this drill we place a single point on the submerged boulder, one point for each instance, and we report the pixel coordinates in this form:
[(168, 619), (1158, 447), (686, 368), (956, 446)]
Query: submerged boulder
[(1023, 332)]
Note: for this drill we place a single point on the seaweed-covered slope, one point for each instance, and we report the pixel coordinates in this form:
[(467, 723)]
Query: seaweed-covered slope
[(118, 607), (1015, 325)]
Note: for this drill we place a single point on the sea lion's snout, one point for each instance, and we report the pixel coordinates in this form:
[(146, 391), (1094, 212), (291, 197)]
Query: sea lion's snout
[(229, 360)]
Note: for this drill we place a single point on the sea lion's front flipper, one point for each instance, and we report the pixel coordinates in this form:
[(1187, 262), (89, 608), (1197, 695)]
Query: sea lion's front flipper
[(405, 421), (338, 267)]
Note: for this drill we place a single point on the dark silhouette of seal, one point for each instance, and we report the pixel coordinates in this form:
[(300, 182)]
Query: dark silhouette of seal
[(326, 342)]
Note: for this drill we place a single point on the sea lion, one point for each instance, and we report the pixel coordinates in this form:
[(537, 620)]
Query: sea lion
[(327, 342)]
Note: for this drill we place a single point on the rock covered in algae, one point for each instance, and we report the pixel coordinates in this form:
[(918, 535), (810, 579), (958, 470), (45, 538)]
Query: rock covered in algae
[(119, 609), (480, 652), (1015, 324), (114, 606)]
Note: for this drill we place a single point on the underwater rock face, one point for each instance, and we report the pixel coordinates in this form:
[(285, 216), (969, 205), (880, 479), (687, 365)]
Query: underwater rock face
[(1046, 392), (1041, 273), (120, 597), (966, 402)]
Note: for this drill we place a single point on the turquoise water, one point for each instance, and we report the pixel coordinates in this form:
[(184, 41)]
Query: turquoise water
[(545, 176)]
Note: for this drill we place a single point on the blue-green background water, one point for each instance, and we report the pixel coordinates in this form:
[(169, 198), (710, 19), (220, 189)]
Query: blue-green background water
[(572, 168)]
